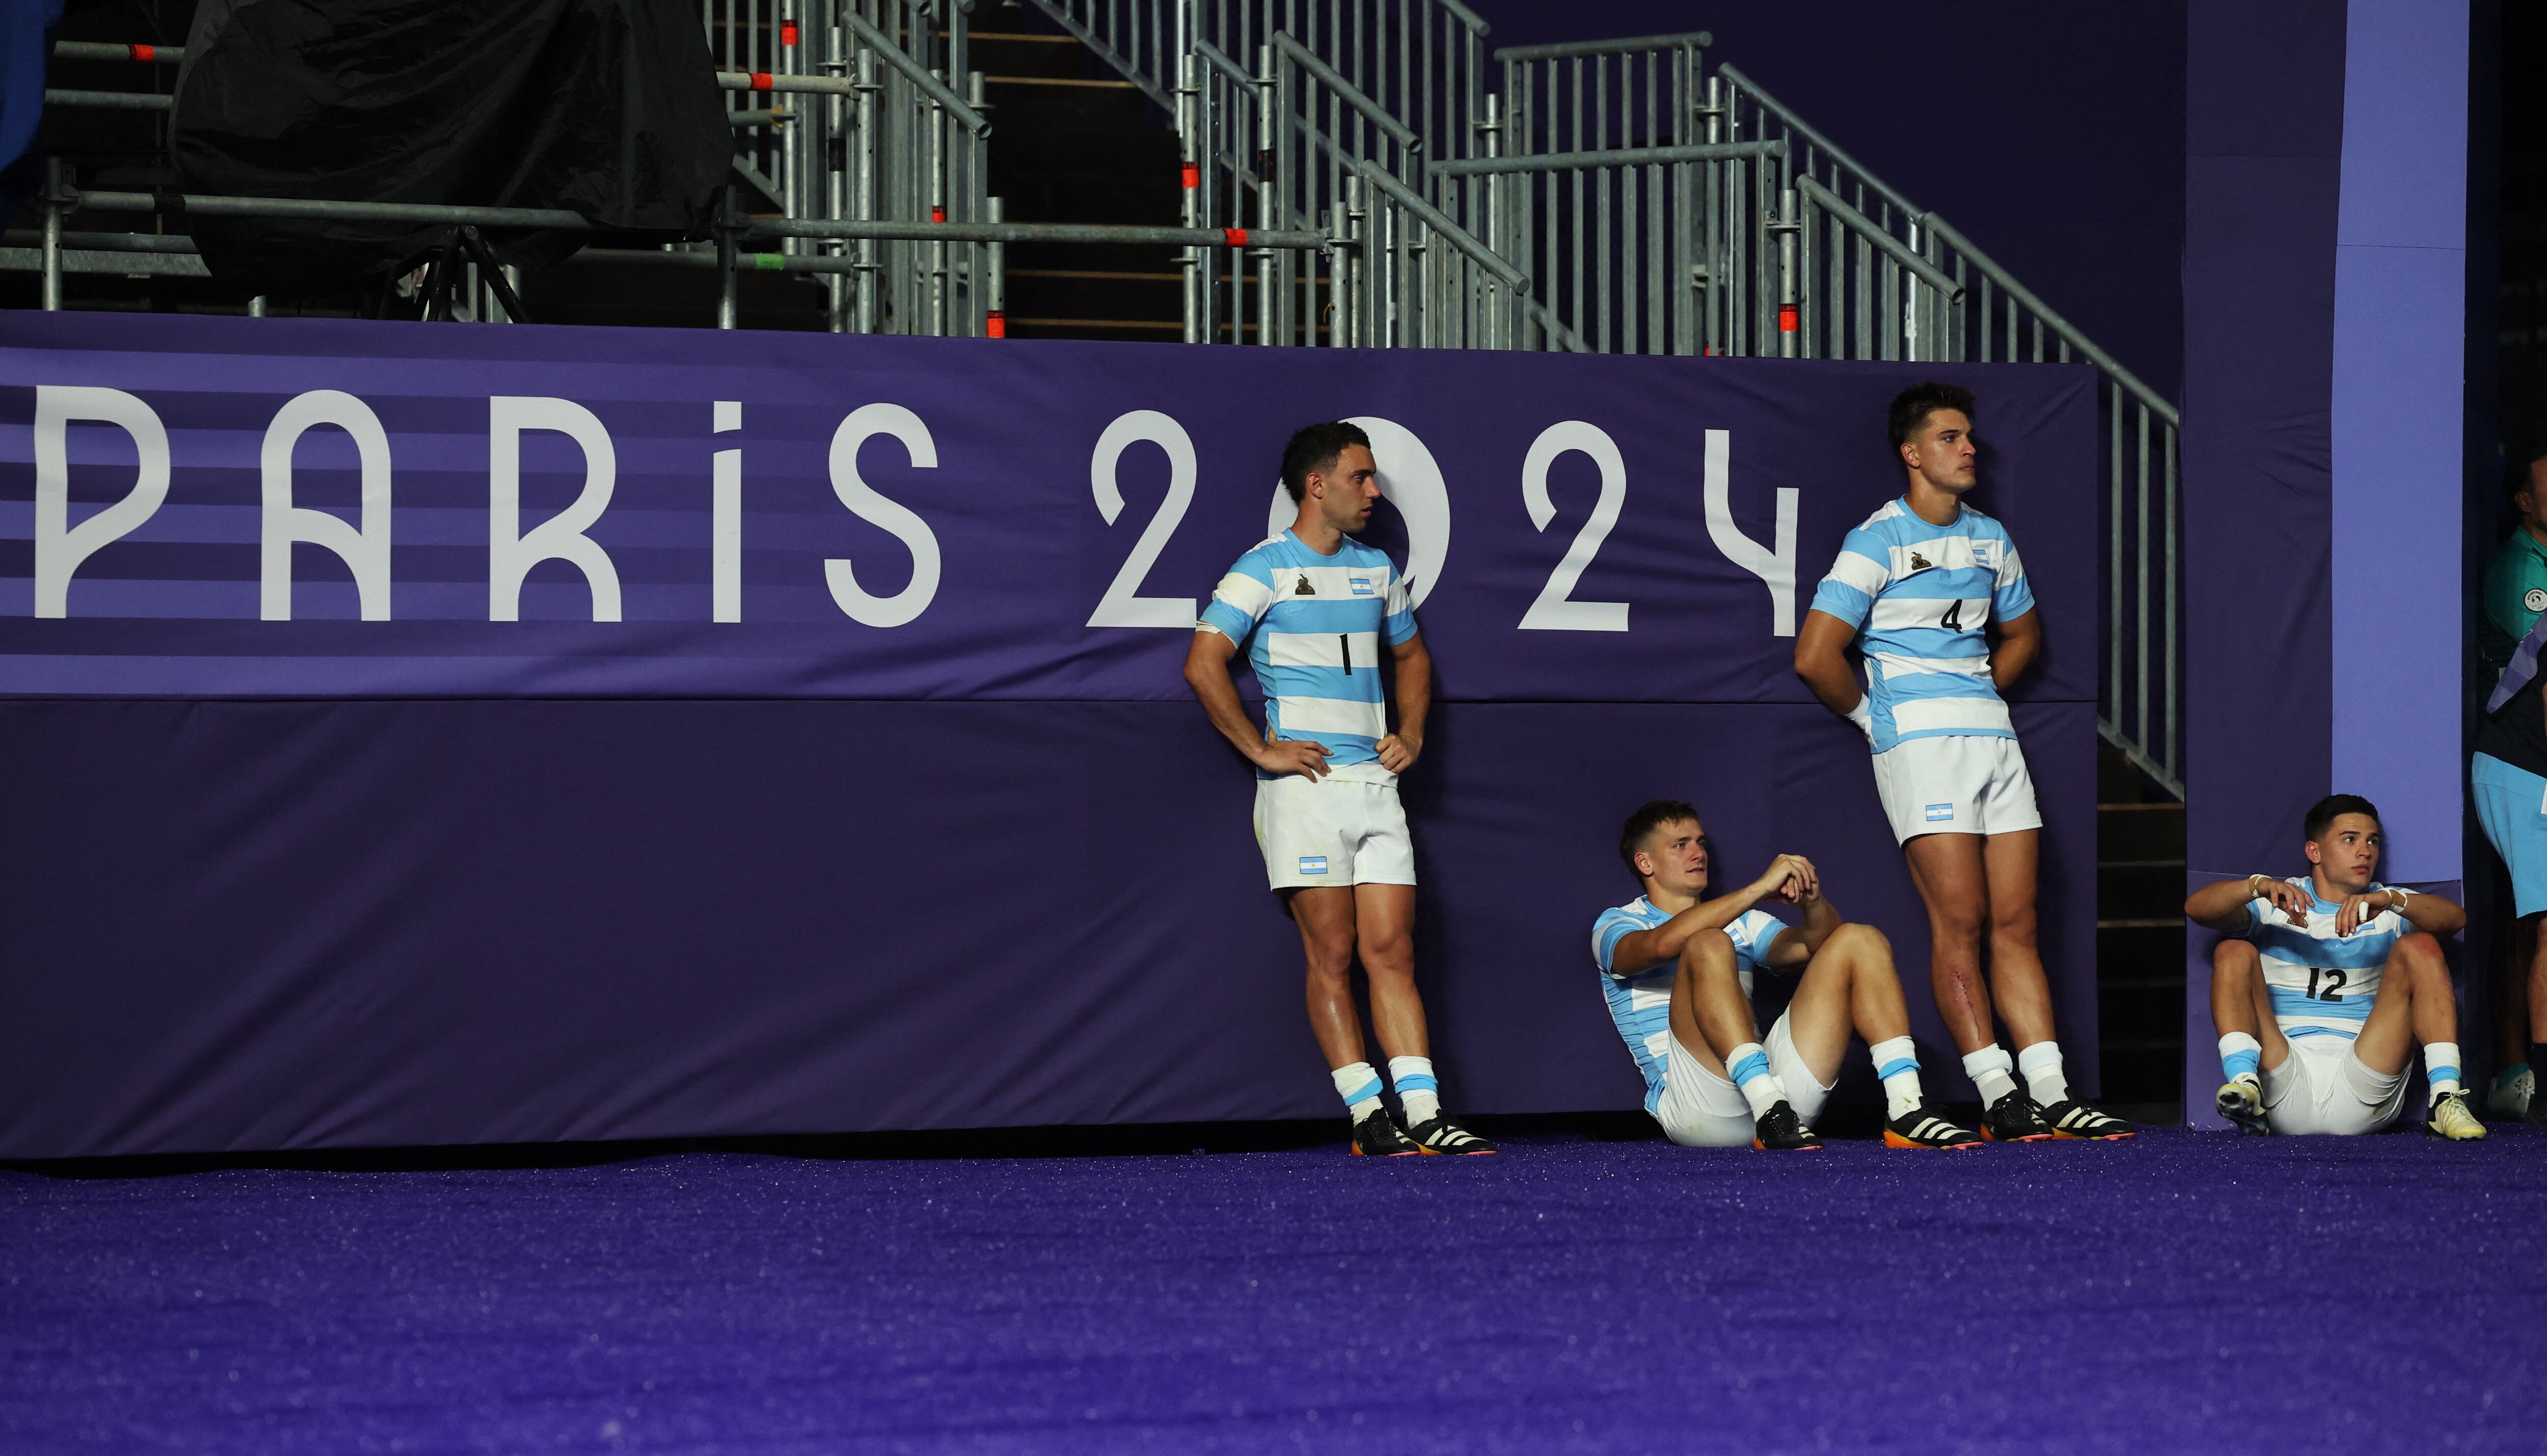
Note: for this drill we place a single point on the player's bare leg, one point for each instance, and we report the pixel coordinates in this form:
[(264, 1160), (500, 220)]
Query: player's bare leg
[(2417, 1007), (1711, 1019), (2242, 1006), (1849, 986), (1952, 883), (1852, 985), (2019, 990), (1385, 935), (1325, 916)]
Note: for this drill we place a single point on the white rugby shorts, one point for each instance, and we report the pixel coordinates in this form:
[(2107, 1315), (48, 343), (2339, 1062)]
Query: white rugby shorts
[(1332, 831), (1701, 1108), (1965, 784), (2322, 1086)]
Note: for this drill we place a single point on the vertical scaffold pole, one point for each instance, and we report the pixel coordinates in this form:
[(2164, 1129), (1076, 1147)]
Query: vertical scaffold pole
[(727, 280), (52, 260), (994, 286), (863, 154), (1189, 162)]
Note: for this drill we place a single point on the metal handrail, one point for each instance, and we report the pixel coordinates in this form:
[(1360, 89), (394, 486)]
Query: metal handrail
[(920, 75), (104, 50), (1873, 231), (126, 100), (1058, 232), (1475, 23), (1821, 142), (74, 200), (1329, 77), (1130, 69), (1990, 270), (1477, 252), (1618, 156), (1567, 49)]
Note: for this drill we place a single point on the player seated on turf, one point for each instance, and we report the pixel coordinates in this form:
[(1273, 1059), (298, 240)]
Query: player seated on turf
[(2326, 985), (1678, 972)]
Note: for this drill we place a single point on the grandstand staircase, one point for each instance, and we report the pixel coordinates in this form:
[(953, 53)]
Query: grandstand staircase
[(2139, 939), (1075, 143)]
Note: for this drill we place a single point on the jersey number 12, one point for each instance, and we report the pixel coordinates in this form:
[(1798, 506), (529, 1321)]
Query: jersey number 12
[(2333, 989)]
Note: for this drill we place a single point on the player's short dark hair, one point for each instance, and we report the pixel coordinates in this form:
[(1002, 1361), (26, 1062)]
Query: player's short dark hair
[(1912, 406), (1313, 450), (2332, 806), (1656, 814)]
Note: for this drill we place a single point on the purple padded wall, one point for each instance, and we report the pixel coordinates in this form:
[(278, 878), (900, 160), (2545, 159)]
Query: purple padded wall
[(985, 867)]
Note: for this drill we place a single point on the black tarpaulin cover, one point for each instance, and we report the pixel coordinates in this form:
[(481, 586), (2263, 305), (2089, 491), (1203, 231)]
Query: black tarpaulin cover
[(607, 108)]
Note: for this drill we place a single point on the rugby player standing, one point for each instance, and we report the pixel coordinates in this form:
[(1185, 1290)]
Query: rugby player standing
[(1330, 620), (1915, 586)]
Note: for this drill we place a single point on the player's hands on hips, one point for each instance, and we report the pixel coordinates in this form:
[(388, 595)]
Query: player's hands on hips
[(1791, 878), (2289, 899), (2360, 909), (1398, 752), (1303, 756)]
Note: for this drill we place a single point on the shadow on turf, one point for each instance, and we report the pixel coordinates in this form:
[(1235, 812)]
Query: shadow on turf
[(1849, 1122)]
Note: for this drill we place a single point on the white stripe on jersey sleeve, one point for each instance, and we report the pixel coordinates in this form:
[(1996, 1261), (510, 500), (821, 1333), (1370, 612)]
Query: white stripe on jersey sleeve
[(1244, 593), (1900, 614), (1333, 716), (1865, 573), (1323, 650), (2010, 569), (1897, 666), (1926, 714)]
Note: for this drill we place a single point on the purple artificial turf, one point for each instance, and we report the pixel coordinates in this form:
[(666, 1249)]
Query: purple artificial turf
[(2187, 1292)]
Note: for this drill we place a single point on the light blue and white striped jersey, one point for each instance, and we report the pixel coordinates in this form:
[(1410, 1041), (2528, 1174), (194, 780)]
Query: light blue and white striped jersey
[(1641, 1000), (1322, 628), (2322, 984), (1920, 595)]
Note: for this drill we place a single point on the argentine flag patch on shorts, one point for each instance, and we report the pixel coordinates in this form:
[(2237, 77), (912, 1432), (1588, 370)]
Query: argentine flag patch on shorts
[(1313, 863), (1939, 814)]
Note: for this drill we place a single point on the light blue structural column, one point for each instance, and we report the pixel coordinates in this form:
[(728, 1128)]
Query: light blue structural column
[(2400, 309)]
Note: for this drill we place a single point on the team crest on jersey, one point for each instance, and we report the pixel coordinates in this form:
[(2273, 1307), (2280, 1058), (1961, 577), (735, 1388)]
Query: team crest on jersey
[(1304, 588), (2534, 600), (1919, 562), (1361, 588)]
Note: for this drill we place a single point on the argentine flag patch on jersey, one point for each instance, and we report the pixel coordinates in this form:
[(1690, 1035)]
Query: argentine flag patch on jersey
[(1361, 586), (1939, 814), (1313, 863)]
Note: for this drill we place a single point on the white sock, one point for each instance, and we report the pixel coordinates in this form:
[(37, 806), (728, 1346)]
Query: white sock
[(1359, 1085), (2044, 1081), (1416, 1090), (2441, 1065), (1896, 1063), (2241, 1056), (1748, 1065), (1987, 1068)]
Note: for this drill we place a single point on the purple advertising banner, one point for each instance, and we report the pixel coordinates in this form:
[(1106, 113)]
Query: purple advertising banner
[(218, 508), (426, 734)]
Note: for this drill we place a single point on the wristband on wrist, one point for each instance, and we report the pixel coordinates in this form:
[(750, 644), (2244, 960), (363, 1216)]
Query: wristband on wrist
[(2399, 905)]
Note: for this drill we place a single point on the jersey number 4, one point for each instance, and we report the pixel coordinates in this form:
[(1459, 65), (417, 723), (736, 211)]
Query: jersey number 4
[(1954, 620), (2332, 991)]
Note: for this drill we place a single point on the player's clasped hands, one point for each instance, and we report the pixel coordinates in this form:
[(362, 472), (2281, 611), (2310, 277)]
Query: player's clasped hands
[(2289, 899), (2360, 909), (1791, 878)]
